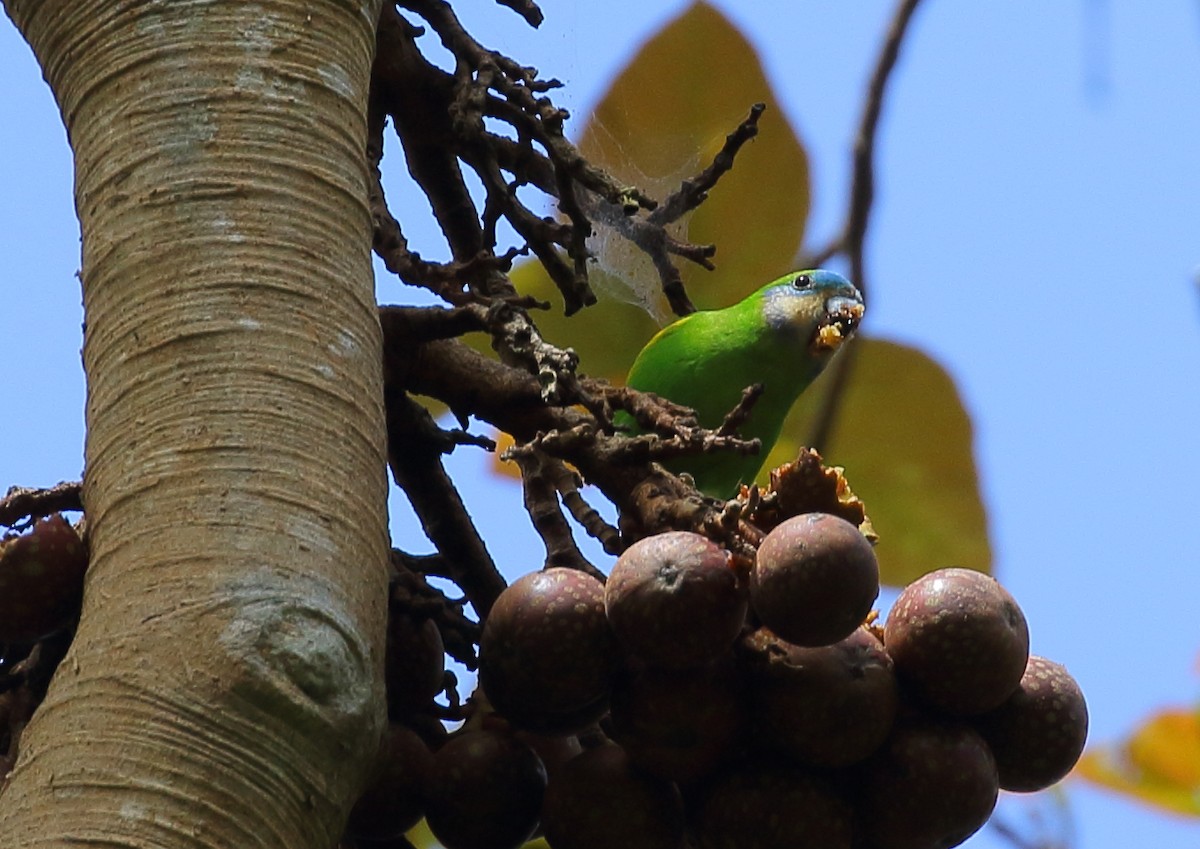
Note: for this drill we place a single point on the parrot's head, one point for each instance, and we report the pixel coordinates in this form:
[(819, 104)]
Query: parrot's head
[(820, 307)]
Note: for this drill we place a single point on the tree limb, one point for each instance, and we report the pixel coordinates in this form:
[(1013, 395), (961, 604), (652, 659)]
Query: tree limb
[(852, 239)]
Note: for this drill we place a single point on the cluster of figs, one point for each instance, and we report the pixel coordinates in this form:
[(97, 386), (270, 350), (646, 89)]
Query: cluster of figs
[(696, 699)]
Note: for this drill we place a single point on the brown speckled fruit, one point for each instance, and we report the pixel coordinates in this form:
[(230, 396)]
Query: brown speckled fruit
[(1038, 734), (679, 724), (814, 579), (392, 802), (673, 600), (826, 706), (415, 668), (761, 806), (959, 641), (484, 792), (41, 580), (547, 656), (931, 786), (555, 750), (600, 801)]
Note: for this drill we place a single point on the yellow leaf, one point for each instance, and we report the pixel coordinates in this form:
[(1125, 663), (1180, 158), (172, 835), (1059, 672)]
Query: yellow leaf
[(1159, 764), (904, 439), (421, 837)]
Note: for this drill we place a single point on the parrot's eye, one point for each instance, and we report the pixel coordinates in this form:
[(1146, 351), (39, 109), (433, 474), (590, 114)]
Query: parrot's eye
[(802, 281)]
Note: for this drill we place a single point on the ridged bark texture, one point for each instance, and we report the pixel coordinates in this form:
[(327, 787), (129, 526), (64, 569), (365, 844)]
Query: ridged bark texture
[(224, 688)]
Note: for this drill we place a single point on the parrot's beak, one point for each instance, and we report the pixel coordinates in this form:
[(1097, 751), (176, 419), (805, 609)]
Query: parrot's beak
[(843, 313)]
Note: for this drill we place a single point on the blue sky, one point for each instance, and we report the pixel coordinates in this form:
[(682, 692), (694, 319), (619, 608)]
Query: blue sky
[(1035, 231)]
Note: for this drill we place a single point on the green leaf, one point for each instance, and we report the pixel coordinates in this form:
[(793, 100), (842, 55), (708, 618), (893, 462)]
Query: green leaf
[(662, 120), (904, 438)]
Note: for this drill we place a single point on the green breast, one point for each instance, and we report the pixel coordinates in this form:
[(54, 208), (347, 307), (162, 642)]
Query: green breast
[(705, 361)]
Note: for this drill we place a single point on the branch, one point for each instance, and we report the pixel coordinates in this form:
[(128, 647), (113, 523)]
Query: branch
[(862, 184), (649, 232), (538, 481), (415, 445), (693, 192), (738, 415), (650, 498), (527, 9), (440, 118), (852, 240), (412, 595), (567, 483), (22, 505)]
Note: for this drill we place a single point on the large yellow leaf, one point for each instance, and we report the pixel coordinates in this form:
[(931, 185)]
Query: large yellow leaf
[(1159, 764), (904, 438), (663, 119)]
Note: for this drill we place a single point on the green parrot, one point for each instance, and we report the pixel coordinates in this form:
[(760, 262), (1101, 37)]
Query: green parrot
[(781, 336)]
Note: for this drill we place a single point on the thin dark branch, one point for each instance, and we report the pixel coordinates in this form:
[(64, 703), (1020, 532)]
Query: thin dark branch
[(415, 445), (738, 415), (411, 595), (424, 324), (862, 183), (693, 192), (821, 431), (449, 129), (567, 483), (649, 232), (527, 9), (851, 242), (650, 498), (541, 501), (420, 98), (21, 505), (862, 187)]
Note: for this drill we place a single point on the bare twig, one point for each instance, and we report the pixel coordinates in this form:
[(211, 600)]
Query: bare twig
[(567, 483), (541, 500), (527, 9), (693, 192), (862, 188), (22, 505), (649, 232), (415, 445), (413, 596), (440, 120), (851, 241), (738, 415), (862, 183)]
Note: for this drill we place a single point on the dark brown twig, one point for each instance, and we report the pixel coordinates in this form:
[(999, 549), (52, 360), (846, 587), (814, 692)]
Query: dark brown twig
[(541, 501), (738, 415), (649, 233), (852, 240), (527, 9), (415, 445), (22, 505), (693, 192), (567, 483), (441, 121), (412, 596)]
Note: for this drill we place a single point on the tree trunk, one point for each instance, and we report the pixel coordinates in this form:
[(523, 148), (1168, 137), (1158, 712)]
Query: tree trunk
[(224, 688)]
